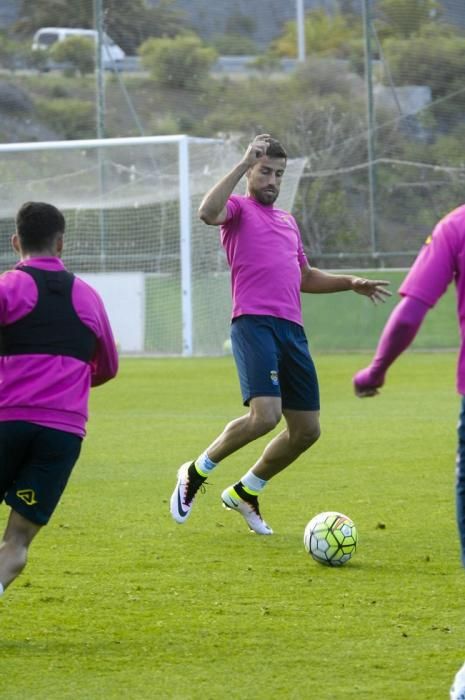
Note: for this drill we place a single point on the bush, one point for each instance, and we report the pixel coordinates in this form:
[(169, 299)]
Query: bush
[(72, 118), (180, 62), (77, 52), (14, 100), (13, 54)]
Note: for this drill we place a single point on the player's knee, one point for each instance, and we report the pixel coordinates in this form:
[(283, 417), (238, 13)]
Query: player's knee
[(264, 423), (307, 437)]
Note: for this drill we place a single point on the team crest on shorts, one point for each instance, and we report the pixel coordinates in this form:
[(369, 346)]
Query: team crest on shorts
[(28, 496), (274, 377)]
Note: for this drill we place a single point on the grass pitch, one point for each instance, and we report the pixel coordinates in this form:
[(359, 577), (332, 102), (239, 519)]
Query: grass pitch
[(118, 601)]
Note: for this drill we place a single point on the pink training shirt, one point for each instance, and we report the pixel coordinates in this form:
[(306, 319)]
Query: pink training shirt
[(441, 260), (52, 390), (265, 253)]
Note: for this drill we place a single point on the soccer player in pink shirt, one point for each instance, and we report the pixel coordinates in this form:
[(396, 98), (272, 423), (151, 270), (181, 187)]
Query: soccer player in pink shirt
[(269, 270), (440, 261), (55, 343)]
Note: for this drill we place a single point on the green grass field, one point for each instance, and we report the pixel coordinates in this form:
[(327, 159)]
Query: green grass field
[(120, 602)]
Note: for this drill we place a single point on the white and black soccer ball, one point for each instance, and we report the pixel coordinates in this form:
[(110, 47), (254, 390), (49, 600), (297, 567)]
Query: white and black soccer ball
[(331, 538), (457, 692)]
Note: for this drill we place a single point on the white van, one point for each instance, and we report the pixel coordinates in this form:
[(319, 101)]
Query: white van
[(112, 54)]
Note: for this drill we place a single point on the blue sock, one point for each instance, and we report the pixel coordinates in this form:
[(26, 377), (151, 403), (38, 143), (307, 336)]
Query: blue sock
[(204, 465)]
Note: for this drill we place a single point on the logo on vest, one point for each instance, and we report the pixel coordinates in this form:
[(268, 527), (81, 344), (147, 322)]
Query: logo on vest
[(28, 496)]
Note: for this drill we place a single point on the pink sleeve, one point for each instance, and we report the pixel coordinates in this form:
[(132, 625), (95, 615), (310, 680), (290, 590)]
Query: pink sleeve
[(233, 208), (91, 310), (399, 331), (435, 265), (105, 362), (18, 295)]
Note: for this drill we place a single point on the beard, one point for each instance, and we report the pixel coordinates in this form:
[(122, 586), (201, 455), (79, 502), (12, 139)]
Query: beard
[(266, 197)]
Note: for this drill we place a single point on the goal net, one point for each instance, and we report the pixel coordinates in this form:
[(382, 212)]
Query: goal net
[(133, 230)]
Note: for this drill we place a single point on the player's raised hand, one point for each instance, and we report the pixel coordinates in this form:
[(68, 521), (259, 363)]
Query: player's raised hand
[(256, 149), (374, 289)]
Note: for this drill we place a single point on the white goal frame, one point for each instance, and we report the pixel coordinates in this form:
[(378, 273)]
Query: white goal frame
[(183, 141)]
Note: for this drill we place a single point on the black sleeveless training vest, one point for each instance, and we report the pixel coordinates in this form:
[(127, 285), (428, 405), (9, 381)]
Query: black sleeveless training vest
[(53, 326)]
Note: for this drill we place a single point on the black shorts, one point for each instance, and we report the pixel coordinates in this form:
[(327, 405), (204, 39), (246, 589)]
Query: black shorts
[(273, 359), (35, 465)]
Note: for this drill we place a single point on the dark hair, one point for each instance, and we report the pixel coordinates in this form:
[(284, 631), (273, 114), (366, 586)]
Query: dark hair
[(38, 224), (275, 149)]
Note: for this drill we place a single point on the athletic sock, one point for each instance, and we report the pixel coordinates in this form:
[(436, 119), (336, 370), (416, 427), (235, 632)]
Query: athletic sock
[(204, 465), (2, 590), (252, 484)]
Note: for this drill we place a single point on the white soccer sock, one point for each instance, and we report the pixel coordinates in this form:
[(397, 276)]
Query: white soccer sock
[(252, 483), (2, 590), (204, 464)]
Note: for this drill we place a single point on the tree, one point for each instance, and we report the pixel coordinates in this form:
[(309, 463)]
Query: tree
[(34, 14), (128, 22), (403, 18), (436, 58), (180, 62), (324, 34)]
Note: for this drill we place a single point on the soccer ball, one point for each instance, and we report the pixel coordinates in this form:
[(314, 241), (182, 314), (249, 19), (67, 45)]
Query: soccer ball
[(331, 538)]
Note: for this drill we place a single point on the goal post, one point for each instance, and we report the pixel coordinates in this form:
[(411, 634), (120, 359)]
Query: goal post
[(133, 230)]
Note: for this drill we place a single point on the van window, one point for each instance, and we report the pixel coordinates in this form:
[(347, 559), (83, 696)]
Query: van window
[(47, 38)]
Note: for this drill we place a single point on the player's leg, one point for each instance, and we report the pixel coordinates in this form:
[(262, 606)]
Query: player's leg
[(460, 479), (301, 432), (263, 416), (33, 495), (256, 356), (300, 399), (17, 537)]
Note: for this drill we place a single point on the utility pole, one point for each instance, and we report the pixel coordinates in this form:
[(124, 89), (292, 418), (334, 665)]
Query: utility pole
[(300, 21), (100, 119), (99, 76), (370, 127)]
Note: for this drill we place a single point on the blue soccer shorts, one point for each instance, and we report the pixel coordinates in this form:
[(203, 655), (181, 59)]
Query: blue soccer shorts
[(35, 465), (273, 359)]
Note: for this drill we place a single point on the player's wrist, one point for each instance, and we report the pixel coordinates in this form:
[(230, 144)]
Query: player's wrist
[(369, 378), (244, 165), (354, 282)]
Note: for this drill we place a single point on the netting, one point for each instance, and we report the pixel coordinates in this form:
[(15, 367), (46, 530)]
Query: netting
[(131, 207)]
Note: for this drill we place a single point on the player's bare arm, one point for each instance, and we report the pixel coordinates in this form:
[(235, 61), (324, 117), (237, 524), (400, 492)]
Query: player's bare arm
[(212, 209), (315, 281)]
